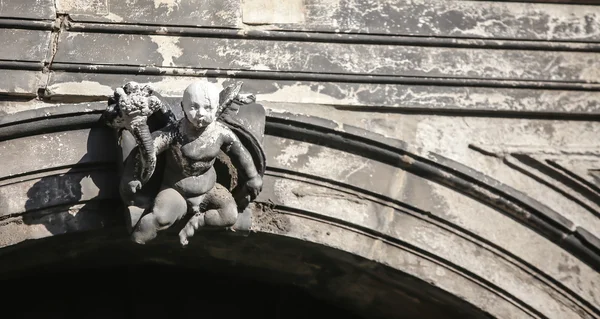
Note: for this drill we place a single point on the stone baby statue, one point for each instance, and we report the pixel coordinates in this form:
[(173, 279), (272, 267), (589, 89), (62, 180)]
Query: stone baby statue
[(192, 145)]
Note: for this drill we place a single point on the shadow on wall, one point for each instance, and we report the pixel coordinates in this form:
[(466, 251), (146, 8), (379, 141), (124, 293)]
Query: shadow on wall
[(78, 198)]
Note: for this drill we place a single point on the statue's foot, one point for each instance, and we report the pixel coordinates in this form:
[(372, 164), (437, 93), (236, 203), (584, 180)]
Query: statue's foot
[(141, 238), (144, 232), (183, 239), (190, 228)]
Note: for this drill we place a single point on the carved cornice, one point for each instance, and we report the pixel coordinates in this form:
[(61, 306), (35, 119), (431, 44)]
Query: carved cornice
[(324, 77)]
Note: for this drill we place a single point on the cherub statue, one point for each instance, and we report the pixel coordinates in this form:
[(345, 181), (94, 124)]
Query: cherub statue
[(191, 145)]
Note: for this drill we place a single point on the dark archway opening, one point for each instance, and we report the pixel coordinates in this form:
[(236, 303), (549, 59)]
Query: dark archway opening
[(156, 291)]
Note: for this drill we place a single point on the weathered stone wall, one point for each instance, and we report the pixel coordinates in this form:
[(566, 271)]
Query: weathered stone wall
[(454, 143)]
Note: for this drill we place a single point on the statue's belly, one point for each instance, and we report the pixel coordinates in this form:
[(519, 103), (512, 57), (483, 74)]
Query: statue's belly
[(196, 168), (196, 185)]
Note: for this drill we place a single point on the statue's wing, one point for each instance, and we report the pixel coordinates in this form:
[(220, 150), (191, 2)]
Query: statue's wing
[(248, 124), (227, 97), (246, 119)]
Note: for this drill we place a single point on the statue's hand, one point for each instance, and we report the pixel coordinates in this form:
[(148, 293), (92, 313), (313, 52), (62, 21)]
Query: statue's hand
[(129, 189), (254, 186), (134, 186)]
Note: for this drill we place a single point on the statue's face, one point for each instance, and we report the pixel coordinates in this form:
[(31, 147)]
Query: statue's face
[(200, 104), (200, 114)]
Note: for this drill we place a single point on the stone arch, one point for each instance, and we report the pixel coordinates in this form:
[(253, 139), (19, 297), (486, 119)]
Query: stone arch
[(342, 209)]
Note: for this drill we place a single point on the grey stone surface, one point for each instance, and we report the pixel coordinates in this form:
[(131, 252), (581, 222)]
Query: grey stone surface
[(411, 262), (53, 190), (68, 85), (54, 150), (21, 83), (471, 19), (308, 158), (288, 56), (24, 45), (482, 19), (29, 9), (58, 220), (417, 229), (165, 12)]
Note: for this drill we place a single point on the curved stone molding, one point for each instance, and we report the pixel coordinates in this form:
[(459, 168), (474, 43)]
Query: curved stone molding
[(393, 152), (353, 193)]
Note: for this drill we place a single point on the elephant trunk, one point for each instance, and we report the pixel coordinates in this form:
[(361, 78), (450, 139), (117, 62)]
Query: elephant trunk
[(143, 137)]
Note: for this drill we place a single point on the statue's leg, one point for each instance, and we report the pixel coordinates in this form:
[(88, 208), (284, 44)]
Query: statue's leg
[(222, 212), (169, 207)]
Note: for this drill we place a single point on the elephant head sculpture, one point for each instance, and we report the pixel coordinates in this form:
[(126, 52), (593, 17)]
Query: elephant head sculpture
[(129, 109)]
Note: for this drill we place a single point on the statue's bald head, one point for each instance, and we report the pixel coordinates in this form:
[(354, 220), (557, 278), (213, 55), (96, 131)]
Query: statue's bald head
[(200, 103)]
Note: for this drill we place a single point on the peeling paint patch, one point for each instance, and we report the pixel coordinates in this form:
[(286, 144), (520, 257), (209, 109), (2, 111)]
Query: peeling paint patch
[(11, 107), (457, 18), (174, 86), (168, 48), (302, 93), (272, 11), (84, 88), (289, 155), (98, 7), (337, 165), (113, 17), (322, 94), (169, 4)]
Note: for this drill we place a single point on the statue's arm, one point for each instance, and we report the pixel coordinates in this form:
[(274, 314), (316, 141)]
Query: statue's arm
[(131, 180), (164, 138), (243, 161)]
